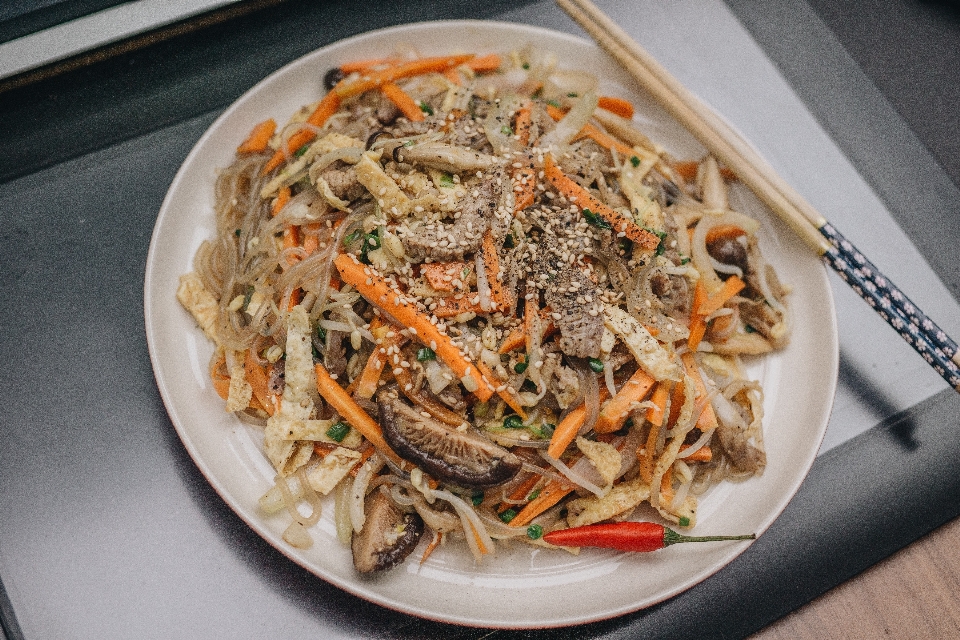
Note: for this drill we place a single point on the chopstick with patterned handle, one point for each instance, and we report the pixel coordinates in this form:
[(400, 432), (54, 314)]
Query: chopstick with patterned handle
[(931, 342)]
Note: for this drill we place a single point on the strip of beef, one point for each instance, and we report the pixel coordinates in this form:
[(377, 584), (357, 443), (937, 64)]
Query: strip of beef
[(342, 178), (446, 242), (567, 293)]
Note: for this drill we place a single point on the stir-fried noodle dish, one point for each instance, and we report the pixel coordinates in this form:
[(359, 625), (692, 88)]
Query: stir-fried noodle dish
[(472, 300)]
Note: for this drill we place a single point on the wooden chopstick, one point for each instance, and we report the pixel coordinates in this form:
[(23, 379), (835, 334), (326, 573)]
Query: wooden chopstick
[(931, 342)]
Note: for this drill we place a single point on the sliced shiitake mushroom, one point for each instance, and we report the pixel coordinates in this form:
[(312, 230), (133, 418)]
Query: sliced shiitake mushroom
[(388, 536), (464, 458)]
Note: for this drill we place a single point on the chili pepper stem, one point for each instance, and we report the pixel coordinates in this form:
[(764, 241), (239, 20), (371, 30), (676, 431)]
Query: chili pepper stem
[(672, 537)]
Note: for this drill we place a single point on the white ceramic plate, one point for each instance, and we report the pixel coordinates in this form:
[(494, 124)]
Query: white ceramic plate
[(518, 588)]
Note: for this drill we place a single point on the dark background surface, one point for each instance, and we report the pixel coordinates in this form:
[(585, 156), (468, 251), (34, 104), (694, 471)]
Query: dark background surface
[(897, 62)]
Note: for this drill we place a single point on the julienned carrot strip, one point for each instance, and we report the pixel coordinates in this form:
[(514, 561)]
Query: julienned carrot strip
[(508, 394), (619, 106), (569, 427), (518, 337), (589, 131), (407, 105), (451, 306), (724, 231), (453, 75), (366, 65), (604, 140), (350, 411), (731, 287), (437, 539), (257, 141), (524, 186), (376, 79), (666, 486), (257, 378), (441, 275), (221, 384), (615, 412), (283, 197), (585, 200), (676, 402), (655, 414), (687, 169), (522, 123), (311, 237), (703, 454), (698, 326), (489, 62), (370, 376), (327, 106), (364, 456), (552, 493), (707, 419), (491, 261), (375, 289)]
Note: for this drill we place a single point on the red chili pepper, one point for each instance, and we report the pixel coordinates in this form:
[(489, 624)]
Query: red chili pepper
[(627, 536)]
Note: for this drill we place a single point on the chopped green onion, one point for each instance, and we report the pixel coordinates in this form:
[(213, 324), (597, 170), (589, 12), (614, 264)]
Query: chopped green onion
[(513, 422), (749, 329), (427, 109), (302, 150), (505, 130), (635, 161), (596, 365), (595, 220), (533, 495), (508, 242), (526, 65), (573, 94), (553, 103), (534, 532), (338, 431), (426, 353), (322, 334), (237, 233), (521, 366), (477, 498), (508, 515), (351, 237), (446, 180), (547, 429), (684, 521)]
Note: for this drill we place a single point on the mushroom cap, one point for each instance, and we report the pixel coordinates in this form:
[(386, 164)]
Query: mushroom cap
[(463, 458), (388, 536)]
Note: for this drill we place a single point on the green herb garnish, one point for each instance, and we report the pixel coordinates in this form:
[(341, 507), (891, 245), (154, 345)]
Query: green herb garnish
[(508, 242), (427, 109), (338, 431), (302, 150), (446, 180), (477, 498), (505, 130), (595, 220), (521, 366), (426, 353), (350, 238), (684, 521), (596, 365), (635, 161), (534, 532), (513, 422), (508, 515)]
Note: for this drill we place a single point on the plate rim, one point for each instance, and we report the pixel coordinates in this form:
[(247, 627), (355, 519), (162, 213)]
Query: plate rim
[(831, 351)]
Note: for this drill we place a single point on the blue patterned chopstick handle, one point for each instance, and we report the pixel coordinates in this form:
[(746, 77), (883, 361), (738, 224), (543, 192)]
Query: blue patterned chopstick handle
[(884, 287), (882, 302)]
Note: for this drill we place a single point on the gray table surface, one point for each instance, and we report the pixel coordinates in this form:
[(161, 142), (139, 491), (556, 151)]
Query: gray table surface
[(108, 530)]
